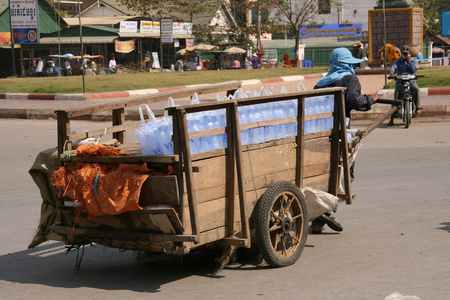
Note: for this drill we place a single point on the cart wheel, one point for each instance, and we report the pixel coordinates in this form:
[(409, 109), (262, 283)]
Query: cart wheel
[(282, 224)]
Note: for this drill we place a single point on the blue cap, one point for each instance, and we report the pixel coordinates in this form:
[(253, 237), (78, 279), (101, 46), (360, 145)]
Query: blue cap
[(344, 55)]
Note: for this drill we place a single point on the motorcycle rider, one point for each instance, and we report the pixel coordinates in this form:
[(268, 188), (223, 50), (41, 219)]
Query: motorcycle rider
[(406, 65)]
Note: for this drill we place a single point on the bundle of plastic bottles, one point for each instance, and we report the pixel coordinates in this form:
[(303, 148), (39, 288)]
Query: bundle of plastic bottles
[(155, 136)]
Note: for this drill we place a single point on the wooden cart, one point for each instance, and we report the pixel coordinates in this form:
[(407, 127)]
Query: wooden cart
[(239, 196)]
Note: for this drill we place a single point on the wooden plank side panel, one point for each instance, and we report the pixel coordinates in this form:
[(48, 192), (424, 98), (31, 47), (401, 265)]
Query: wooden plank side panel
[(261, 161), (262, 167), (211, 214)]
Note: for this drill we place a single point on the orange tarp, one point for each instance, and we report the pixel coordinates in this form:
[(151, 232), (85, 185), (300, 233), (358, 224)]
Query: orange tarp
[(102, 188)]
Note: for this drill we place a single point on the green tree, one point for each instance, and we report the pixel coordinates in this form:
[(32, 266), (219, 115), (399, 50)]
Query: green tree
[(179, 11), (432, 16), (294, 14)]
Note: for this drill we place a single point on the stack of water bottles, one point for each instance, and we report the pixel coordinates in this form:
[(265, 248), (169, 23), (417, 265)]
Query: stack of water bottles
[(155, 136), (319, 105)]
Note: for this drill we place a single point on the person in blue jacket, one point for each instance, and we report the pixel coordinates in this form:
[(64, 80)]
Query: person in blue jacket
[(406, 65), (341, 74)]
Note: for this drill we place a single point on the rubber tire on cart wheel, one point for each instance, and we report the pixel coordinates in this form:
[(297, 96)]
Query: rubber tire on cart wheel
[(406, 113), (282, 224)]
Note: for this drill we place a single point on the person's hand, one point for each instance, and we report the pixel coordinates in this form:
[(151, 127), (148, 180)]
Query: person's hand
[(407, 56), (375, 97)]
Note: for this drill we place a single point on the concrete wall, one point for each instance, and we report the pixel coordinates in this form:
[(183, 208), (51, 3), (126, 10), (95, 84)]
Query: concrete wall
[(403, 27)]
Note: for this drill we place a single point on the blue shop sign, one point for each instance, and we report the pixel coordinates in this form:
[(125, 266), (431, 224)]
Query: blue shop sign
[(331, 30), (25, 35), (445, 23)]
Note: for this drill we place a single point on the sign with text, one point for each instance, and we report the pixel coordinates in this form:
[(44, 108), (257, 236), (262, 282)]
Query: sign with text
[(146, 26), (128, 26), (166, 31), (182, 28), (24, 21), (166, 26), (155, 64), (331, 30)]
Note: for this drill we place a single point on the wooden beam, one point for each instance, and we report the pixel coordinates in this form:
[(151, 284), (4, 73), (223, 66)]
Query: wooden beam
[(187, 160), (63, 124), (371, 127), (334, 153), (344, 148), (153, 98), (118, 118), (121, 235), (240, 171), (300, 153), (230, 174)]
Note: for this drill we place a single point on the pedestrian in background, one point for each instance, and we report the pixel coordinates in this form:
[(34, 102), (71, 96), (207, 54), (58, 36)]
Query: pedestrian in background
[(256, 62)]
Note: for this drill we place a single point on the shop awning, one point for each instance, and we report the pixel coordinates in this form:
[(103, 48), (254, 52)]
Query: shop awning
[(76, 40)]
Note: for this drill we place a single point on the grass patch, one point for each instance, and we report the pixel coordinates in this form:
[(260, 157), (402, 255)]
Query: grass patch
[(434, 77), (136, 81)]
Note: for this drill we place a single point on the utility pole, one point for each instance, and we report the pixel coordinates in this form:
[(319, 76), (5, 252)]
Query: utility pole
[(81, 43), (258, 27), (13, 51)]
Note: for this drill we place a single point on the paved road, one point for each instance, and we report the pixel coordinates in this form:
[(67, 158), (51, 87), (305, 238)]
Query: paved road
[(396, 236)]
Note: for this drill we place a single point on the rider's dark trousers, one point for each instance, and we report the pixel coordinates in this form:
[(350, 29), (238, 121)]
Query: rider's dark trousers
[(415, 94)]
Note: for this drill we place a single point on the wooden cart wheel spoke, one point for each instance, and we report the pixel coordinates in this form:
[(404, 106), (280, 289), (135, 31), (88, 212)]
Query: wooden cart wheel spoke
[(281, 224), (275, 216), (278, 205), (297, 216), (289, 203), (294, 238), (276, 240), (275, 227)]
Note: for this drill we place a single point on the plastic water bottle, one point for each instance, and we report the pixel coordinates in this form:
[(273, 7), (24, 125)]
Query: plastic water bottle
[(280, 129), (308, 106), (212, 122), (309, 126), (256, 135), (243, 119), (291, 111), (267, 114), (329, 106), (193, 126)]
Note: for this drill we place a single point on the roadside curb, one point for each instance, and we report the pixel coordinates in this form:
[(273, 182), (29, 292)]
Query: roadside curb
[(389, 93)]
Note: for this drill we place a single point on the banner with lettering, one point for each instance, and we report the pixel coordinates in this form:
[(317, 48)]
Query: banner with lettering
[(331, 30)]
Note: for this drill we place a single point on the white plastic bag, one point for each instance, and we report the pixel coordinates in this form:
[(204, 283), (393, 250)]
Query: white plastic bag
[(319, 202), (148, 133)]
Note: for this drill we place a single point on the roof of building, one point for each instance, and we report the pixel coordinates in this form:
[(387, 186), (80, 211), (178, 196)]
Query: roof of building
[(95, 21), (117, 8), (443, 39)]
